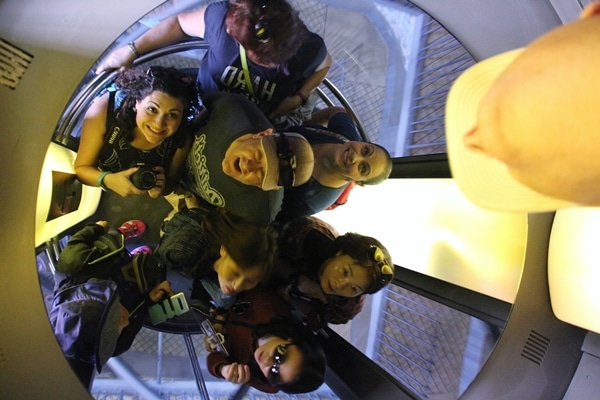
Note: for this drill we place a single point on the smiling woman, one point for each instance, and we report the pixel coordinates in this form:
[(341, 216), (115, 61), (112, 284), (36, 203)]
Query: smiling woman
[(453, 253), (62, 47), (325, 276), (259, 342), (142, 124)]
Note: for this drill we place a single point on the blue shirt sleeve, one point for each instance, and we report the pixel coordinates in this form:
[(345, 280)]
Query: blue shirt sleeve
[(342, 123)]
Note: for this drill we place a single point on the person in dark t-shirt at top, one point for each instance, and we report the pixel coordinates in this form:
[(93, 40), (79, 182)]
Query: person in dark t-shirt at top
[(259, 48)]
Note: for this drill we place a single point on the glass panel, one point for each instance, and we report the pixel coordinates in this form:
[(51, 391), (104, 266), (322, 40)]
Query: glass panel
[(393, 64), (432, 349)]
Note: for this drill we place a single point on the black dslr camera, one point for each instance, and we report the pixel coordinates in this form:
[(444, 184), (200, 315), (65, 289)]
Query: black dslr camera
[(144, 178)]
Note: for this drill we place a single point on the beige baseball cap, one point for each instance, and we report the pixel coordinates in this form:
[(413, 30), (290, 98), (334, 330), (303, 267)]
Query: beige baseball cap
[(485, 180)]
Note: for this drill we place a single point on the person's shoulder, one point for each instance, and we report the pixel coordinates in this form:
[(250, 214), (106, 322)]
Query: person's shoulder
[(217, 8), (314, 188), (310, 54), (252, 203), (214, 21), (325, 228), (343, 124), (302, 227), (314, 39)]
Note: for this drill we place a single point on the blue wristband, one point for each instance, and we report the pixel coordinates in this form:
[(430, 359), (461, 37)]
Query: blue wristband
[(101, 181)]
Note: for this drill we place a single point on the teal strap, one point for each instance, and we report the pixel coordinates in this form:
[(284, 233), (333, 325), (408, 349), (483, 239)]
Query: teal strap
[(246, 72)]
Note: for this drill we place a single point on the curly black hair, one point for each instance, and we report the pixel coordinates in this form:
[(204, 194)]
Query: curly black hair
[(138, 82)]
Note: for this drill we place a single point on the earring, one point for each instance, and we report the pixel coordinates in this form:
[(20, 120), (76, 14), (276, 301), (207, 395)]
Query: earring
[(134, 109)]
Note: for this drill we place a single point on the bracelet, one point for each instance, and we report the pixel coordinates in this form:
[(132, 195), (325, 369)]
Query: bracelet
[(133, 49), (302, 96), (101, 181)]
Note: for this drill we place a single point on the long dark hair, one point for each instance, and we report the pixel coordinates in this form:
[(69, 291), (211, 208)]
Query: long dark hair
[(247, 243), (270, 29), (314, 361)]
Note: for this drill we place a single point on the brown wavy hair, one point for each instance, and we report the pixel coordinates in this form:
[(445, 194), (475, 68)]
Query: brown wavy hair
[(284, 29)]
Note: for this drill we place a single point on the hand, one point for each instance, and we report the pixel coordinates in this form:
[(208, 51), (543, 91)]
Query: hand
[(208, 347), (219, 336), (103, 224), (286, 105), (161, 291), (161, 181), (236, 373), (120, 58), (120, 183)]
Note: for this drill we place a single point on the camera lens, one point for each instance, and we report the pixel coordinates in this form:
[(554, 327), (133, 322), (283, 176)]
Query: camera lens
[(143, 179)]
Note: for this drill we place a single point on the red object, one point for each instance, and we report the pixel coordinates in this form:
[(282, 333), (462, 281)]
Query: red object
[(132, 228), (343, 197)]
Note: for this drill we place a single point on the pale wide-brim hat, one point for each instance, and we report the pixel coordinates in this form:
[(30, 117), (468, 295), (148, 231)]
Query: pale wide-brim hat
[(484, 180)]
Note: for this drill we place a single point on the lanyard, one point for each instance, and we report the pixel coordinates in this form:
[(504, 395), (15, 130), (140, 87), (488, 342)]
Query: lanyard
[(246, 72)]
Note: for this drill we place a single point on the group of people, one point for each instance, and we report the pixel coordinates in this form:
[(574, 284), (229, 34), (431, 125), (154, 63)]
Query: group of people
[(254, 161), (251, 160)]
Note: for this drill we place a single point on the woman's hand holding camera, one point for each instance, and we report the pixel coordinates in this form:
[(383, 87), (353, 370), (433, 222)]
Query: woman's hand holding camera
[(159, 185), (120, 182), (137, 180)]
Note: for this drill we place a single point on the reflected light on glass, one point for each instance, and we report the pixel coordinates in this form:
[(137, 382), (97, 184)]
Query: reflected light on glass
[(430, 227)]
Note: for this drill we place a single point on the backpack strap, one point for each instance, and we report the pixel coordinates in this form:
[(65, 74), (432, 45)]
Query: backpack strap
[(110, 114)]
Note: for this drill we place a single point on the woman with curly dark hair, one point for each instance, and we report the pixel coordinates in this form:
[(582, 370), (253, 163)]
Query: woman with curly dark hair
[(260, 48), (325, 276), (134, 138)]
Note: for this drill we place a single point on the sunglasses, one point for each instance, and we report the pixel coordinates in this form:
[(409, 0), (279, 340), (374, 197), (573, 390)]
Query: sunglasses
[(386, 271), (279, 357), (261, 31), (287, 162)]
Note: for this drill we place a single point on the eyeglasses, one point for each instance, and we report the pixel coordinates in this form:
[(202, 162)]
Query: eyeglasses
[(279, 357), (287, 162), (386, 271)]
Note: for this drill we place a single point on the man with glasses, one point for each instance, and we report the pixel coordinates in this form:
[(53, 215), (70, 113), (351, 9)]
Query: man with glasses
[(238, 162)]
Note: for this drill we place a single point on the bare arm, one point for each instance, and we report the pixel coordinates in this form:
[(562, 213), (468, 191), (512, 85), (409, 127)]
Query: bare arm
[(92, 139), (322, 117), (317, 77), (294, 101), (171, 30)]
